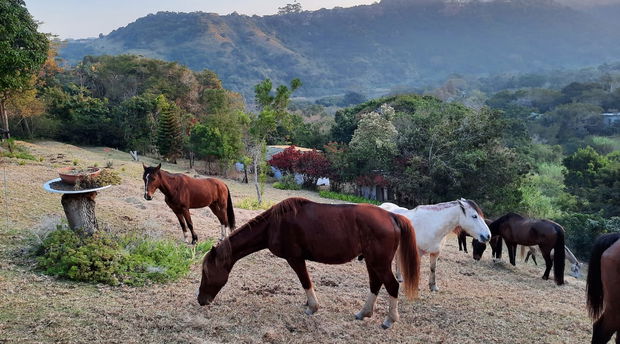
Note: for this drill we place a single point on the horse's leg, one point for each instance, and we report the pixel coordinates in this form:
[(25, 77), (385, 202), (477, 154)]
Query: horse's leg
[(188, 220), (391, 285), (512, 253), (183, 227), (533, 257), (602, 331), (431, 280), (375, 285), (548, 262), (220, 213), (299, 266)]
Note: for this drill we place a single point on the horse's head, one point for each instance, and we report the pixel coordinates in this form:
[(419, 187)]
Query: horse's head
[(152, 180), (214, 276), (472, 221), (478, 248), (575, 270)]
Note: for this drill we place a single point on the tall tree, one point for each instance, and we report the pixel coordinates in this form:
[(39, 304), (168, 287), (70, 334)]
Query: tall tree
[(23, 52), (169, 135)]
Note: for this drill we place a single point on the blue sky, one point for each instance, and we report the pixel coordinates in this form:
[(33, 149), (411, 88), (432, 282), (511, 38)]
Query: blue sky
[(88, 18)]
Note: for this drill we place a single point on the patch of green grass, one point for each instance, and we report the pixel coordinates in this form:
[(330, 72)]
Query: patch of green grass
[(252, 204), (125, 259), (13, 150), (347, 198)]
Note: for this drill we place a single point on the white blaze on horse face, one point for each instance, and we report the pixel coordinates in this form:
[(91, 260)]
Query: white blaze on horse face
[(146, 184), (473, 223)]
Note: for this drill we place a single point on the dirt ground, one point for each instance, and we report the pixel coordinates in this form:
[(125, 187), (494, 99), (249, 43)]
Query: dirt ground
[(479, 302)]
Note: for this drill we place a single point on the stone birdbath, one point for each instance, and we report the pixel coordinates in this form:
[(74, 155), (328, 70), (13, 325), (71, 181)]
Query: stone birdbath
[(79, 204)]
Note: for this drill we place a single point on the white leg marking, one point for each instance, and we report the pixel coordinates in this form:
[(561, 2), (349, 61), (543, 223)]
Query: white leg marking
[(313, 303), (368, 308), (392, 316), (222, 232)]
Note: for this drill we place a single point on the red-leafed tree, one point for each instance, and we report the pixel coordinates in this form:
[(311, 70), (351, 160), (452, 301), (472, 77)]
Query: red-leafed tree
[(312, 165), (285, 161)]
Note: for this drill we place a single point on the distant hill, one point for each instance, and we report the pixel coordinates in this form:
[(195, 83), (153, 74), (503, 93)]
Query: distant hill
[(372, 48)]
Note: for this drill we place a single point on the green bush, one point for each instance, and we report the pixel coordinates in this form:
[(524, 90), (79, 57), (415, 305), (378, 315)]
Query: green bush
[(583, 229), (126, 259), (347, 198), (13, 150), (252, 204), (287, 183)]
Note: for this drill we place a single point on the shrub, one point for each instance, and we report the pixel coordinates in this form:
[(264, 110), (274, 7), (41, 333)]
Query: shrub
[(126, 259), (347, 198), (285, 160), (252, 204), (583, 229), (312, 165), (287, 183)]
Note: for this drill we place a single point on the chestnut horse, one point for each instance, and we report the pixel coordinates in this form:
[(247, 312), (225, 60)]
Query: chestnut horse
[(602, 288), (518, 230), (297, 230), (184, 193)]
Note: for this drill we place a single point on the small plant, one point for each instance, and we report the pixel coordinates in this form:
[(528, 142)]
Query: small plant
[(13, 150), (41, 159), (75, 162), (22, 163), (252, 204), (347, 198), (109, 164), (96, 164), (106, 177)]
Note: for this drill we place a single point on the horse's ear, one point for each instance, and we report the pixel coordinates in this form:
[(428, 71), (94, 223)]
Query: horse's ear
[(158, 167), (462, 205), (144, 166)]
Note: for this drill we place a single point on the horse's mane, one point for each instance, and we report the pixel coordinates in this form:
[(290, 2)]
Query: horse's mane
[(223, 251), (475, 206)]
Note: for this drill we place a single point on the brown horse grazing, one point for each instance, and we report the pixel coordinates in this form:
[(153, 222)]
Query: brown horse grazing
[(602, 288), (184, 193), (518, 230), (297, 230)]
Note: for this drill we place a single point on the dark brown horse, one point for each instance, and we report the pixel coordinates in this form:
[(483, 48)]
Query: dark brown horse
[(478, 247), (297, 230), (184, 193), (603, 288), (518, 230)]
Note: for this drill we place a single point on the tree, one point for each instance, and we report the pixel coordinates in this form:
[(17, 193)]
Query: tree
[(373, 145), (295, 7), (286, 159), (312, 165), (23, 52), (273, 113), (169, 135)]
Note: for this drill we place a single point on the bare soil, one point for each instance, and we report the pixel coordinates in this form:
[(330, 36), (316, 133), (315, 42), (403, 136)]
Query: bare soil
[(479, 302)]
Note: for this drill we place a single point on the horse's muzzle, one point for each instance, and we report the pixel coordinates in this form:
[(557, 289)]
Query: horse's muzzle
[(148, 197), (484, 238)]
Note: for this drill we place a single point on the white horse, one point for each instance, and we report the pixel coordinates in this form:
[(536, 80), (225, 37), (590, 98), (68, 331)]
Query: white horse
[(575, 268), (432, 223)]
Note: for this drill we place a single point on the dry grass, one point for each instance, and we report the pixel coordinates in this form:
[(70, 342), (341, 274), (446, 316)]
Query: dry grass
[(479, 302)]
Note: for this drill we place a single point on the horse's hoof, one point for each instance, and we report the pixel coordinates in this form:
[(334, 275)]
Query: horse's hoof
[(194, 241), (387, 323), (361, 316), (309, 311)]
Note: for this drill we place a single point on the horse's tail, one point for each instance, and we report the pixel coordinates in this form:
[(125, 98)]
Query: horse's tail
[(230, 213), (409, 256), (559, 256), (594, 284)]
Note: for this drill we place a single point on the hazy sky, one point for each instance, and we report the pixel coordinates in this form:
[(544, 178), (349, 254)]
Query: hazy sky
[(88, 18)]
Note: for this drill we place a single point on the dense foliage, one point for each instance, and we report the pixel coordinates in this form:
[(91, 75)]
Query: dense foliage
[(104, 258)]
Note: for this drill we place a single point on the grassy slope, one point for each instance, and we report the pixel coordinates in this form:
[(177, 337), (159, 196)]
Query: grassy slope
[(478, 302)]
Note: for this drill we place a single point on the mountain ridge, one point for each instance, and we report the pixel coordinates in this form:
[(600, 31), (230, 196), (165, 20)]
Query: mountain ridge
[(369, 47)]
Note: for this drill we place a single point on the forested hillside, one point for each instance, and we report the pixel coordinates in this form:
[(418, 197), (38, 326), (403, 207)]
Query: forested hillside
[(370, 48)]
